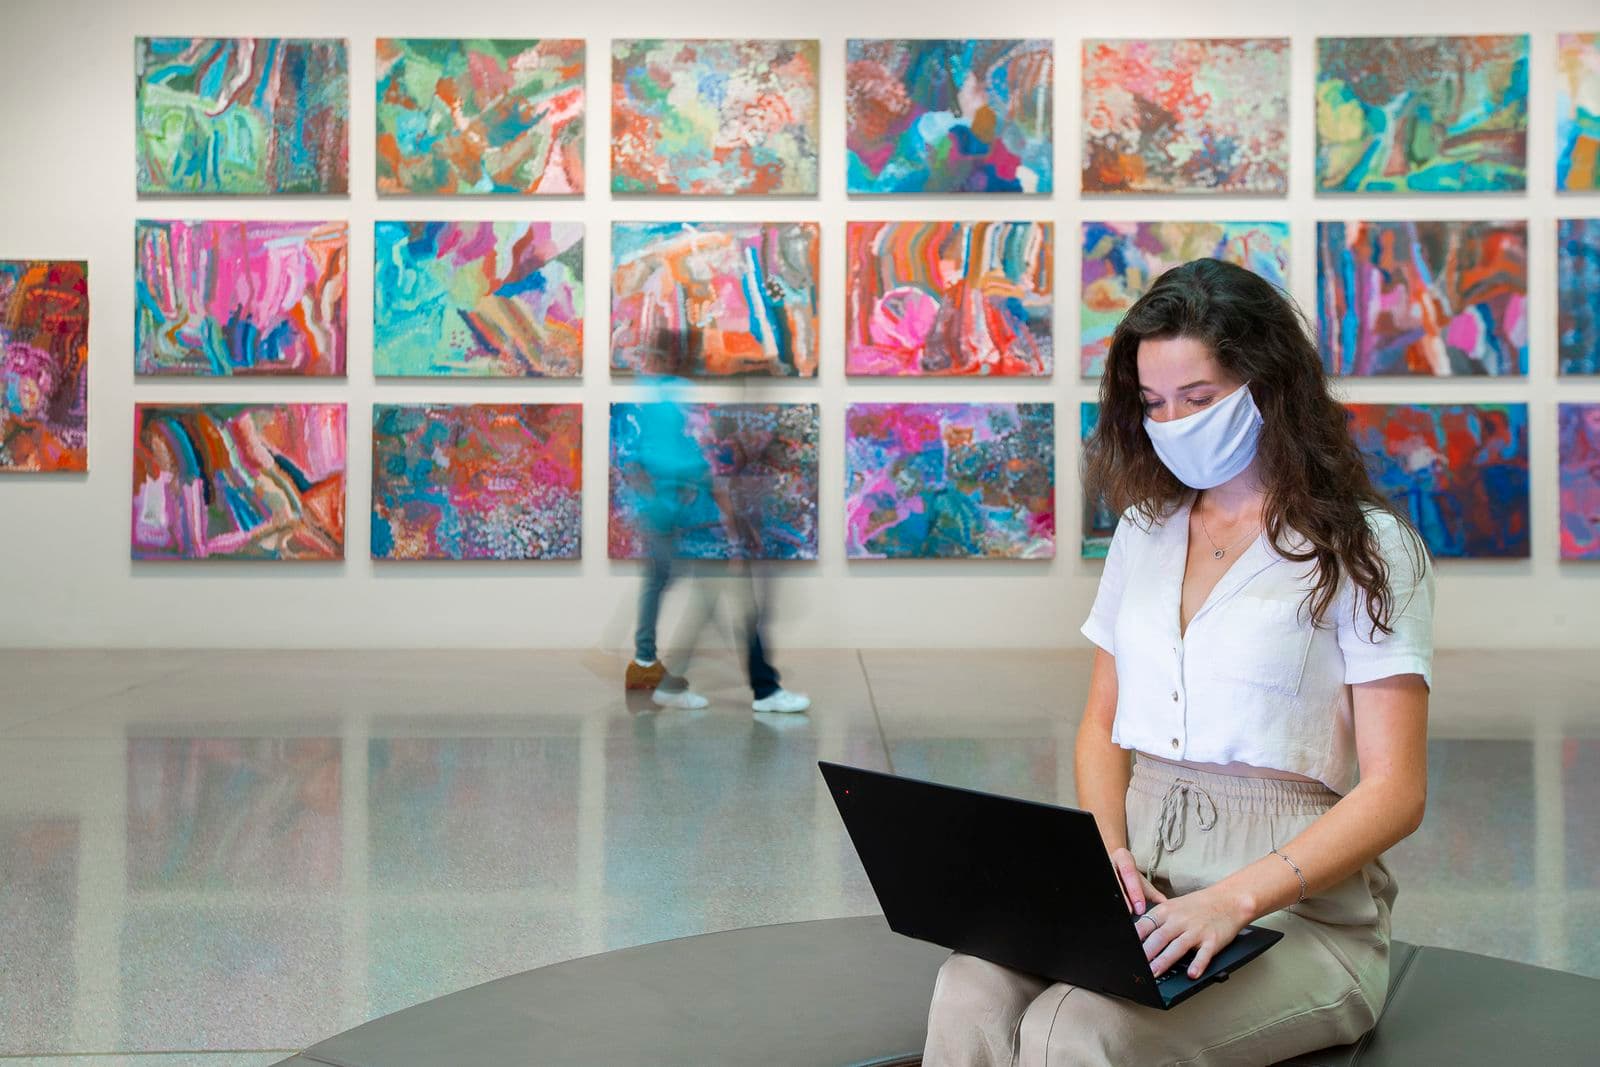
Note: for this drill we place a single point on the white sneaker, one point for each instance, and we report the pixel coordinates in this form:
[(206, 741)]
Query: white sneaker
[(685, 699), (782, 700)]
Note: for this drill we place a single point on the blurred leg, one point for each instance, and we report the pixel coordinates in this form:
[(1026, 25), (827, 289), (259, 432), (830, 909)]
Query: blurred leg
[(657, 576)]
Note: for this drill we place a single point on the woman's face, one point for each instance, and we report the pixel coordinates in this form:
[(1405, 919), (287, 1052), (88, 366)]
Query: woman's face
[(1179, 377)]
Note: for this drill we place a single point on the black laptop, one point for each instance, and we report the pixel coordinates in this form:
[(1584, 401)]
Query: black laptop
[(1025, 885)]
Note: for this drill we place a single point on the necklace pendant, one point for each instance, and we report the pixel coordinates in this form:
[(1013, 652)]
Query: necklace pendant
[(1219, 553)]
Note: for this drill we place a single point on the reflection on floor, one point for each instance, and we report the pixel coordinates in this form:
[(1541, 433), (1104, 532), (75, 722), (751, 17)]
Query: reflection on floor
[(225, 856)]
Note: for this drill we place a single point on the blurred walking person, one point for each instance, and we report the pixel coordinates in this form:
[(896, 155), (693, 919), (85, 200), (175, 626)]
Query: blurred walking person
[(745, 476), (676, 475), (679, 480)]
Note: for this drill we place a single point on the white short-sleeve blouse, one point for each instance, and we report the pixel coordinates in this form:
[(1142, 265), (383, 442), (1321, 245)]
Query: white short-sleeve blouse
[(1252, 680)]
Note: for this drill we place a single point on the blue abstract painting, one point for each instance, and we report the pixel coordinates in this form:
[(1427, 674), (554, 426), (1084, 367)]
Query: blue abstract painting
[(1459, 472)]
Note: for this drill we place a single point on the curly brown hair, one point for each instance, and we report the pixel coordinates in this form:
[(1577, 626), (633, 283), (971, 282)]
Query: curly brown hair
[(1319, 492)]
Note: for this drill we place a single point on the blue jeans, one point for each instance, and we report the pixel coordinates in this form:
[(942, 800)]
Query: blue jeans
[(658, 575), (660, 569)]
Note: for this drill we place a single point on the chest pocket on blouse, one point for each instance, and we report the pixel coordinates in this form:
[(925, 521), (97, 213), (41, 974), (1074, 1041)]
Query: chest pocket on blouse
[(1264, 643)]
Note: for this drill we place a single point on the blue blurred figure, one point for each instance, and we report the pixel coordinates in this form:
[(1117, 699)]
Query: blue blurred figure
[(678, 475)]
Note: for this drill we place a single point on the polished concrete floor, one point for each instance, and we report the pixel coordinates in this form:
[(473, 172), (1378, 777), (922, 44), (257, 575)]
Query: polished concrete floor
[(213, 859)]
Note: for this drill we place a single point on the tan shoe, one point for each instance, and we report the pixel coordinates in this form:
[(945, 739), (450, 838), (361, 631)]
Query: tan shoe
[(644, 677)]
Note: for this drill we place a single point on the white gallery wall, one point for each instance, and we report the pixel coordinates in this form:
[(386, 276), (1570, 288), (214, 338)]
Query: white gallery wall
[(67, 192)]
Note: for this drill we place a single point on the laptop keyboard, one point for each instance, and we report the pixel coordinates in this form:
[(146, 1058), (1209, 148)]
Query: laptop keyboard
[(1179, 969)]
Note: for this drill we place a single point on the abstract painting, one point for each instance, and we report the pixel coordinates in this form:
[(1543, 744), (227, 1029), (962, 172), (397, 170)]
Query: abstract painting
[(1459, 472), (1186, 116), (1121, 260), (1422, 114), (245, 116), (1423, 298), (480, 116), (950, 298), (478, 299), (714, 118), (1099, 521), (1578, 112), (946, 481), (238, 481), (222, 298), (477, 481), (779, 478), (1578, 295), (44, 365), (749, 290), (949, 116), (1580, 481)]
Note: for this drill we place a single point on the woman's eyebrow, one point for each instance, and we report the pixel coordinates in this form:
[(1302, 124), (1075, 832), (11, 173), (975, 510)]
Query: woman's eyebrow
[(1201, 384)]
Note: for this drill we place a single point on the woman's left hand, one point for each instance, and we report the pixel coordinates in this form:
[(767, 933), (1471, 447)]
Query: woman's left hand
[(1203, 920)]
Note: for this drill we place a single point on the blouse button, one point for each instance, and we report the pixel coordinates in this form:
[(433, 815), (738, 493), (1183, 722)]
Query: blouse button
[(1175, 743), (1174, 696)]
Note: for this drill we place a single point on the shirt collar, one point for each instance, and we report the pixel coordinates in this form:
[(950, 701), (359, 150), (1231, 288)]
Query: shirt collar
[(1173, 540)]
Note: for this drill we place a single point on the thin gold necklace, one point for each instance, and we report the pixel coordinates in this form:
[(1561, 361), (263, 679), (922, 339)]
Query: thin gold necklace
[(1217, 550)]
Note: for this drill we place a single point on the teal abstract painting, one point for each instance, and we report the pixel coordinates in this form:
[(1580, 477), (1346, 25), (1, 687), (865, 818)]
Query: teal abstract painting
[(478, 299), (949, 116), (1422, 114)]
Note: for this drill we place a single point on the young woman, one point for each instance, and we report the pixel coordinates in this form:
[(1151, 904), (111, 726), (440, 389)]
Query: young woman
[(1255, 733)]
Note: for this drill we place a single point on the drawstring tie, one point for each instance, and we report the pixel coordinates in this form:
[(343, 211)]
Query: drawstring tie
[(1174, 820)]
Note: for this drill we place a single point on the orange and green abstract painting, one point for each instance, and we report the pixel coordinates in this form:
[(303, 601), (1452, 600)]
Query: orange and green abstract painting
[(477, 481), (462, 117), (44, 365)]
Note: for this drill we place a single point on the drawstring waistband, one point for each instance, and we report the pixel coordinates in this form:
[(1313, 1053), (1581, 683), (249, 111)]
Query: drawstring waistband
[(1185, 792), (1174, 822)]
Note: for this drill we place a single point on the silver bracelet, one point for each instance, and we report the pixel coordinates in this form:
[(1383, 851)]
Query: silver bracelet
[(1297, 873)]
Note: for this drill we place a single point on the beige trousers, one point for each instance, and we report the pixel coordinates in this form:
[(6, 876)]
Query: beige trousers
[(1322, 985)]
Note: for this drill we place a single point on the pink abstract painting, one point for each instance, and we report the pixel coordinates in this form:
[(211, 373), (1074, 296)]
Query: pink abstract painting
[(216, 298)]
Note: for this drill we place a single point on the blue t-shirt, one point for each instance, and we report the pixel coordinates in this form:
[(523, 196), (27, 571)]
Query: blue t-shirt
[(669, 454)]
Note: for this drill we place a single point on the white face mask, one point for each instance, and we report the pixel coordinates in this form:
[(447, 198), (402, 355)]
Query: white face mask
[(1213, 446)]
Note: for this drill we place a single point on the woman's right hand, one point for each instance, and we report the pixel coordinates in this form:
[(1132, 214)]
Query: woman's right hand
[(1135, 886)]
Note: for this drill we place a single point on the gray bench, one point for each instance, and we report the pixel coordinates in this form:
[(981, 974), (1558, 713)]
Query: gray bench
[(849, 991)]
